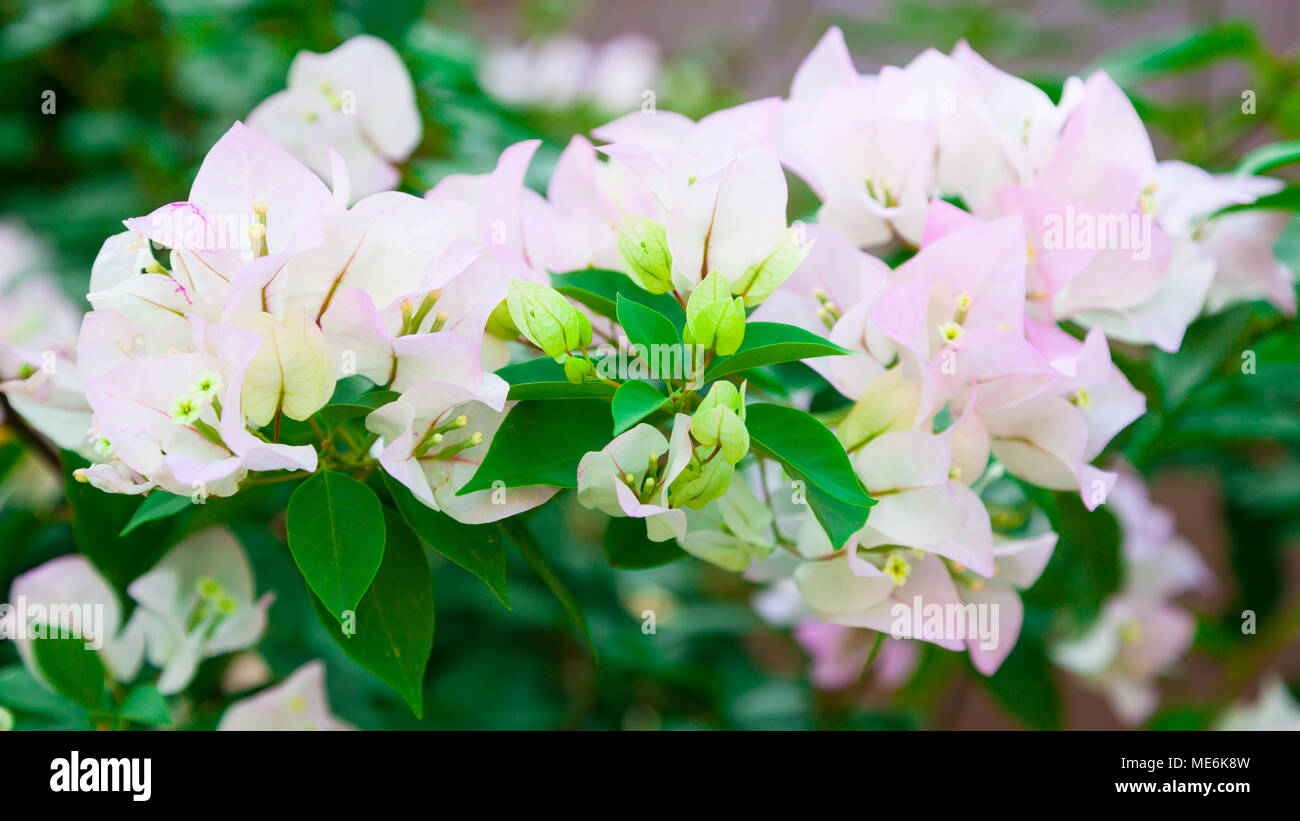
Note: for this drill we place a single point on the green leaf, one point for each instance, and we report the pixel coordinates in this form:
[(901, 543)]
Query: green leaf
[(145, 705), (476, 548), (1288, 199), (159, 504), (541, 443), (349, 389), (767, 343), (1269, 156), (72, 669), (811, 453), (1085, 567), (544, 378), (627, 546), (1182, 51), (645, 326), (336, 536), (393, 627), (98, 518), (634, 401), (336, 413), (23, 693), (599, 290), (531, 552)]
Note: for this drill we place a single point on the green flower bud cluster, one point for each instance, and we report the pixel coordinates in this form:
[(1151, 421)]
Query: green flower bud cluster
[(547, 319), (720, 421), (718, 426), (713, 318)]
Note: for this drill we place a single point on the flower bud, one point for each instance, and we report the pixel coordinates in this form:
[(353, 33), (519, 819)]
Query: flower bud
[(643, 245), (722, 428), (547, 319), (724, 394), (576, 369), (713, 318), (720, 421)]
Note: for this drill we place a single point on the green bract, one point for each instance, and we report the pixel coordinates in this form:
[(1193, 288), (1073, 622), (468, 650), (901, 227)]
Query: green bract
[(643, 245), (762, 278), (713, 318), (547, 319), (720, 422), (500, 324), (888, 404), (702, 481)]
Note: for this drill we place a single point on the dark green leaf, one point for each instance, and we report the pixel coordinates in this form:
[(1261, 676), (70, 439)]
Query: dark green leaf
[(599, 290), (544, 378), (145, 705), (392, 632), (626, 545), (477, 548), (645, 326), (767, 343), (336, 535), (335, 414), (72, 669), (541, 443), (812, 454), (349, 389), (634, 401), (159, 504)]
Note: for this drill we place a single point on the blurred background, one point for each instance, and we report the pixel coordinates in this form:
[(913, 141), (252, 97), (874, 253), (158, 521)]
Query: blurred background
[(142, 89)]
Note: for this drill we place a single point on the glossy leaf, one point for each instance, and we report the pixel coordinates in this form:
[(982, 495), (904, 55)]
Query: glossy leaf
[(811, 454), (767, 343), (541, 443), (645, 326), (626, 545), (159, 504), (476, 548), (336, 536), (544, 378), (634, 401), (391, 633), (600, 289)]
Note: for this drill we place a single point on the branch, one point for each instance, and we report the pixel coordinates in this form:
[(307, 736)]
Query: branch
[(34, 440)]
